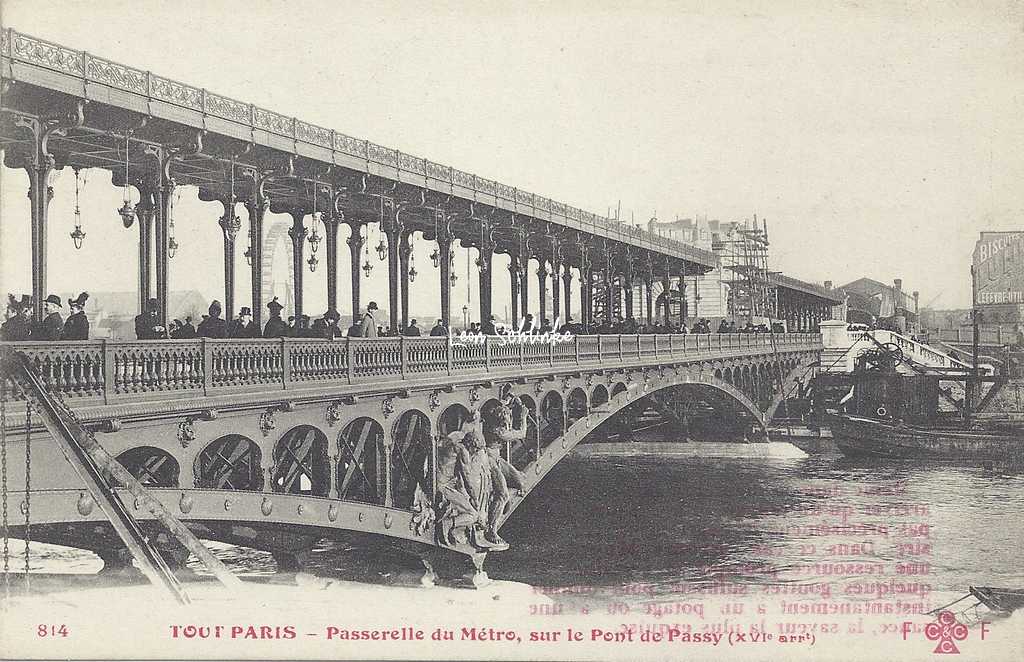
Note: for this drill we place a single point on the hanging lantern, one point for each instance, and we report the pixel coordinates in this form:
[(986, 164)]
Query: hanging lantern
[(453, 278), (314, 240), (481, 264), (172, 243), (367, 267), (312, 262), (77, 236), (248, 255), (435, 257), (412, 273), (127, 210), (382, 250)]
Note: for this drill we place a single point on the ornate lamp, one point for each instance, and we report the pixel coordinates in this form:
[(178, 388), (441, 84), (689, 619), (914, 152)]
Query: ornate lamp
[(412, 268), (77, 236), (127, 210), (453, 278), (382, 250), (435, 257), (367, 267), (172, 243), (481, 264), (314, 236), (312, 262)]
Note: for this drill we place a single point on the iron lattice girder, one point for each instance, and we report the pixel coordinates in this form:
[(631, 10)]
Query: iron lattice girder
[(44, 78)]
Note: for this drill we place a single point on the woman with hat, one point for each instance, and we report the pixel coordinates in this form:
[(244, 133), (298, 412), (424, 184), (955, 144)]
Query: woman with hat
[(275, 326), (77, 325), (18, 327), (52, 326)]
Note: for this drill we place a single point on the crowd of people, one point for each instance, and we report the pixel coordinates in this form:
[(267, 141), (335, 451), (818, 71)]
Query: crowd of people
[(20, 325)]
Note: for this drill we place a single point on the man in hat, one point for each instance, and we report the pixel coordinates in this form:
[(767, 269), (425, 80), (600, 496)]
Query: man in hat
[(369, 323), (439, 329), (243, 326), (18, 327), (213, 326), (147, 325), (52, 326), (412, 330), (77, 325), (275, 326)]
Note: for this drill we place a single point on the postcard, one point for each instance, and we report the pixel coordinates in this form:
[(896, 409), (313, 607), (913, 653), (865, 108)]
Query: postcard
[(511, 331)]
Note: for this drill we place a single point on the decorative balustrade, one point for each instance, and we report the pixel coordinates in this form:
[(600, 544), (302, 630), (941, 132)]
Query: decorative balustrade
[(108, 372), (918, 351)]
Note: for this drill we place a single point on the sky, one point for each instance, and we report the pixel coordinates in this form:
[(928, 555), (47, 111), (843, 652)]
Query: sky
[(877, 139)]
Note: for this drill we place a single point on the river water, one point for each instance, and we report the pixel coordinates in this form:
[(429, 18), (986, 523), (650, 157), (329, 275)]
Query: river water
[(713, 542)]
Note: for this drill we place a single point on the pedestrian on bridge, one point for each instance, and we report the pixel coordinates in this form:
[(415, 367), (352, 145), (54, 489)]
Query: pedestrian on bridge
[(18, 327), (243, 327), (147, 326), (214, 325), (77, 325), (52, 326), (412, 331), (275, 326), (439, 329), (369, 323)]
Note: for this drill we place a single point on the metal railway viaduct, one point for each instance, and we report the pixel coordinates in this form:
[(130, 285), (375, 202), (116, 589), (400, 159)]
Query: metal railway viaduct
[(277, 443)]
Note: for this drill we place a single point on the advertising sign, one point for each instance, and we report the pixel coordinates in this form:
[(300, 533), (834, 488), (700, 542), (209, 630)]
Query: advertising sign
[(999, 268)]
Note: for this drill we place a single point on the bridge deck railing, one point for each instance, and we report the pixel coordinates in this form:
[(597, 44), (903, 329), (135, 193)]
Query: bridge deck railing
[(109, 372)]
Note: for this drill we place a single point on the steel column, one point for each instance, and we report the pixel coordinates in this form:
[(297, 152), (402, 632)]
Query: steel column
[(229, 226), (567, 283), (513, 279), (404, 252), (444, 247), (298, 234), (355, 246), (393, 231), (542, 290), (144, 217), (331, 224), (524, 285)]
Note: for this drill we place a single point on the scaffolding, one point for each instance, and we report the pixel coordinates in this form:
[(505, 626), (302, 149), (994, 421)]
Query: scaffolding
[(744, 255)]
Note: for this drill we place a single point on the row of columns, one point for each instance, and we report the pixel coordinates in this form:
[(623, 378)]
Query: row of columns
[(152, 213), (804, 314)]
